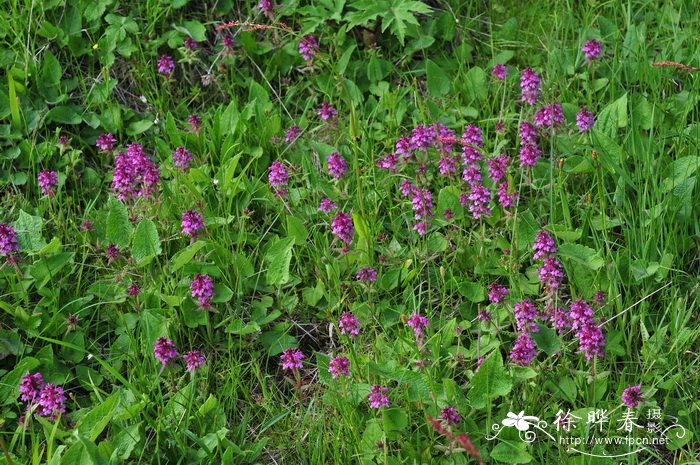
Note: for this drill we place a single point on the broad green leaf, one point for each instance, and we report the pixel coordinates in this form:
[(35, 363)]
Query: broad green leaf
[(395, 420), (490, 381), (28, 229), (48, 267), (146, 244), (297, 230), (476, 84), (119, 227), (92, 424), (511, 452), (582, 254), (439, 82), (547, 340), (278, 259), (64, 114), (612, 117), (184, 256)]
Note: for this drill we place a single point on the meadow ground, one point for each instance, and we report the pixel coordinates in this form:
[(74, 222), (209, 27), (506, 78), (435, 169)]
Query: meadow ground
[(349, 231)]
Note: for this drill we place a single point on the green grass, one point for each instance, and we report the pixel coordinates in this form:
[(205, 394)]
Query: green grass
[(620, 201)]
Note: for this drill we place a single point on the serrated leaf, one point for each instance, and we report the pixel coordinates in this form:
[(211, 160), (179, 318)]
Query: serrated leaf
[(490, 381), (119, 227), (146, 244)]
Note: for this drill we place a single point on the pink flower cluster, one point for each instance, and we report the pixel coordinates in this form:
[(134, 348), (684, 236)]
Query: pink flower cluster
[(165, 352), (8, 240), (292, 359), (135, 174), (47, 181), (192, 223), (202, 289), (278, 178), (49, 398), (308, 47)]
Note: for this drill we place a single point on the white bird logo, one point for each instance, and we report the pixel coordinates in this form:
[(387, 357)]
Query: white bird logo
[(520, 421)]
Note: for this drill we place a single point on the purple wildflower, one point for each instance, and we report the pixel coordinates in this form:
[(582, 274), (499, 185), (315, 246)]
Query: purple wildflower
[(192, 223), (505, 198), (326, 111), (202, 289), (525, 316), (632, 396), (529, 155), (551, 275), (327, 206), (447, 165), (191, 44), (528, 134), (388, 162), (472, 135), (195, 122), (30, 386), (164, 350), (278, 178), (228, 42), (599, 299), (166, 65), (498, 167), (135, 174), (590, 335), (291, 359), (378, 396), (407, 188), (87, 225), (182, 158), (342, 227), (499, 72), (51, 400), (418, 322), (450, 415), (585, 120), (292, 134), (267, 8), (8, 240), (339, 366), (549, 116), (530, 86), (367, 274), (194, 359), (133, 290), (113, 253), (592, 49), (497, 293), (448, 214), (106, 142), (524, 350), (349, 324), (337, 166), (47, 181), (544, 245), (308, 47), (422, 204), (479, 198)]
